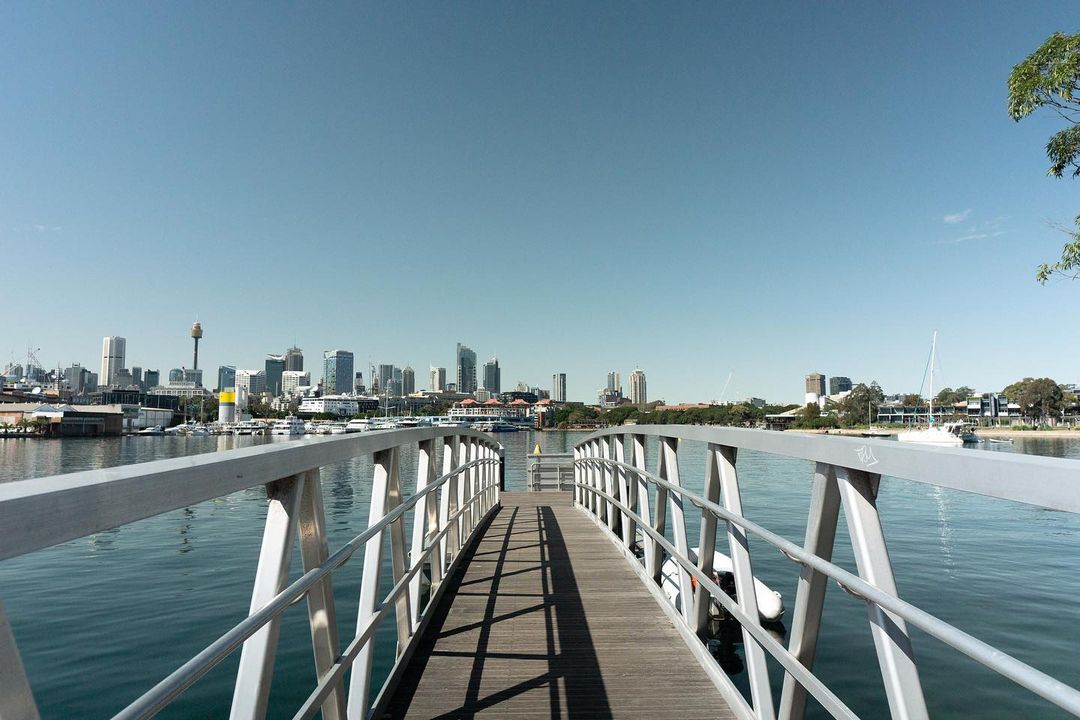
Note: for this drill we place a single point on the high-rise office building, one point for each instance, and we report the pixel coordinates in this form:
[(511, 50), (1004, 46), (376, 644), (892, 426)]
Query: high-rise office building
[(151, 378), (386, 377), (275, 365), (192, 375), (358, 384), (492, 376), (638, 392), (176, 375), (466, 369), (252, 382), (113, 357), (293, 379), (408, 381), (438, 379), (614, 383), (226, 377), (137, 377), (294, 359), (337, 372), (839, 384), (815, 388), (558, 387)]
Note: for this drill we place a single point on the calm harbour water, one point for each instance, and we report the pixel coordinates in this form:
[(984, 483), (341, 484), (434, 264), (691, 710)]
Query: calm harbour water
[(101, 619)]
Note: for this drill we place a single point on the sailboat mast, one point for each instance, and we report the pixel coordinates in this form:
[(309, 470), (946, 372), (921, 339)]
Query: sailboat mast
[(933, 350)]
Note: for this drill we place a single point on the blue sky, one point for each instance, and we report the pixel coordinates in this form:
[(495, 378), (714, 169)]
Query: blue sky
[(690, 188)]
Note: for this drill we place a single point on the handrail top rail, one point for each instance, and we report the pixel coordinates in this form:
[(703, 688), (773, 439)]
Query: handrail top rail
[(41, 512), (1048, 482)]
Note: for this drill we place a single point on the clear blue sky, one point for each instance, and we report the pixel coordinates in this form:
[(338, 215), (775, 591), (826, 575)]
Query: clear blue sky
[(692, 188)]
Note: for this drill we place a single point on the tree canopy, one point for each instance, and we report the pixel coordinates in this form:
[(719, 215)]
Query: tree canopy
[(1037, 397), (1050, 78)]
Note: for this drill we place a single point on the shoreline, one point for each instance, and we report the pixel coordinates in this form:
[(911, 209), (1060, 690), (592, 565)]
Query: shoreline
[(988, 432)]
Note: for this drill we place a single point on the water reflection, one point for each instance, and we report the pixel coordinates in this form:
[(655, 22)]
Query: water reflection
[(187, 516)]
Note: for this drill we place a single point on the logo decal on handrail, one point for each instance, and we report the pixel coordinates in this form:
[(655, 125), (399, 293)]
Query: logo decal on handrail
[(866, 455)]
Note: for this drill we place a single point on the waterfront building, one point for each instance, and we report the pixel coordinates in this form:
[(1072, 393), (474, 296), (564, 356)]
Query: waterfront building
[(492, 376), (337, 372), (252, 382), (331, 404), (226, 377), (471, 410), (294, 359), (482, 395), (438, 379), (558, 387), (292, 380), (180, 389), (638, 390), (113, 357), (275, 365), (815, 388), (408, 381), (466, 369), (839, 384), (150, 379)]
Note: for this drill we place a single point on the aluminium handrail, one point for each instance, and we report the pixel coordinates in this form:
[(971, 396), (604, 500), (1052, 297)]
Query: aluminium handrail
[(1026, 676), (174, 684)]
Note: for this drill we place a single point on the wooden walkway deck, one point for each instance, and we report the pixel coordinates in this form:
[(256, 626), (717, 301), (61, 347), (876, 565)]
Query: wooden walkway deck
[(548, 620)]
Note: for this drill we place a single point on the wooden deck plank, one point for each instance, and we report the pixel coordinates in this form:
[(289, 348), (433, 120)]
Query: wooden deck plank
[(546, 620)]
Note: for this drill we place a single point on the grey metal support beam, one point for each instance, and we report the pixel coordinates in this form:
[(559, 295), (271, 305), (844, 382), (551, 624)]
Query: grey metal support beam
[(322, 615), (810, 596), (425, 519), (756, 669), (669, 450), (399, 556), (16, 697), (858, 491), (252, 691), (706, 543), (626, 525), (642, 495)]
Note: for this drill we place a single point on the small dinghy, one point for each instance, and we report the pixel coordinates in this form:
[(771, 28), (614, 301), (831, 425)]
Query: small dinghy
[(1000, 441), (770, 603)]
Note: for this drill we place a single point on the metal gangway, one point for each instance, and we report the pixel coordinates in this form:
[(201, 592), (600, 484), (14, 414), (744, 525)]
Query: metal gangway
[(508, 603)]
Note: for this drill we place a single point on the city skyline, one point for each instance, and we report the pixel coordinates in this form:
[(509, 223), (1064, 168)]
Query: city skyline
[(613, 142)]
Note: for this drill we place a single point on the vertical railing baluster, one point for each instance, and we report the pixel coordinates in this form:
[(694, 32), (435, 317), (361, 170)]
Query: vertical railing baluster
[(599, 505), (810, 597), (399, 556), (462, 458), (669, 447), (609, 485), (626, 525), (322, 615), (641, 491), (252, 690), (707, 542), (757, 670), (16, 697), (360, 680), (422, 522), (448, 502), (858, 492), (577, 476)]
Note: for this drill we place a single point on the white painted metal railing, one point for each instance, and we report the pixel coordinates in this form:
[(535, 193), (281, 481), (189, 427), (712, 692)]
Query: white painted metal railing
[(612, 485), (448, 506)]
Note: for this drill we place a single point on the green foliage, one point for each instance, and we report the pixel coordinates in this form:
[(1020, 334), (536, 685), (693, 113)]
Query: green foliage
[(1050, 77), (1037, 398), (948, 396), (860, 406)]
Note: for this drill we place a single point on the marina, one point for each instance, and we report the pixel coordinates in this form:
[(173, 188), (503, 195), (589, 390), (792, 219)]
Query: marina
[(939, 562)]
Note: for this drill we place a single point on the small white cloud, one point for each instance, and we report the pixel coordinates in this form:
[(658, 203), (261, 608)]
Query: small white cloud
[(972, 236), (40, 228), (957, 217)]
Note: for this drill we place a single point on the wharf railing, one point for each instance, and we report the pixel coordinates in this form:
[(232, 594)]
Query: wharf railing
[(550, 471), (449, 505), (613, 486)]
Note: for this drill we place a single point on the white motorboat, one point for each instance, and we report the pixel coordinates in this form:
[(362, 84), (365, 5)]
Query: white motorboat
[(155, 430), (199, 431), (337, 429), (289, 426), (770, 603), (357, 425), (948, 435)]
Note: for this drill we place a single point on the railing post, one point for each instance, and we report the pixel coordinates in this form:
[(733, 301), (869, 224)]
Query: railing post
[(669, 471), (16, 697), (757, 670), (810, 597), (252, 690), (448, 503), (629, 529), (398, 553), (360, 680), (643, 506), (425, 523), (577, 476), (609, 485), (322, 616), (707, 542), (660, 513), (858, 491), (463, 478)]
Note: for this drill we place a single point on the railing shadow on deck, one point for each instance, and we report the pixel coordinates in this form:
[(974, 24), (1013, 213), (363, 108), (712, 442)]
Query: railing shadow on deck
[(573, 676)]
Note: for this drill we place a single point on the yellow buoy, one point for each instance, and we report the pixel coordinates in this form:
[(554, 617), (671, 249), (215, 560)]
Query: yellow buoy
[(536, 450)]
